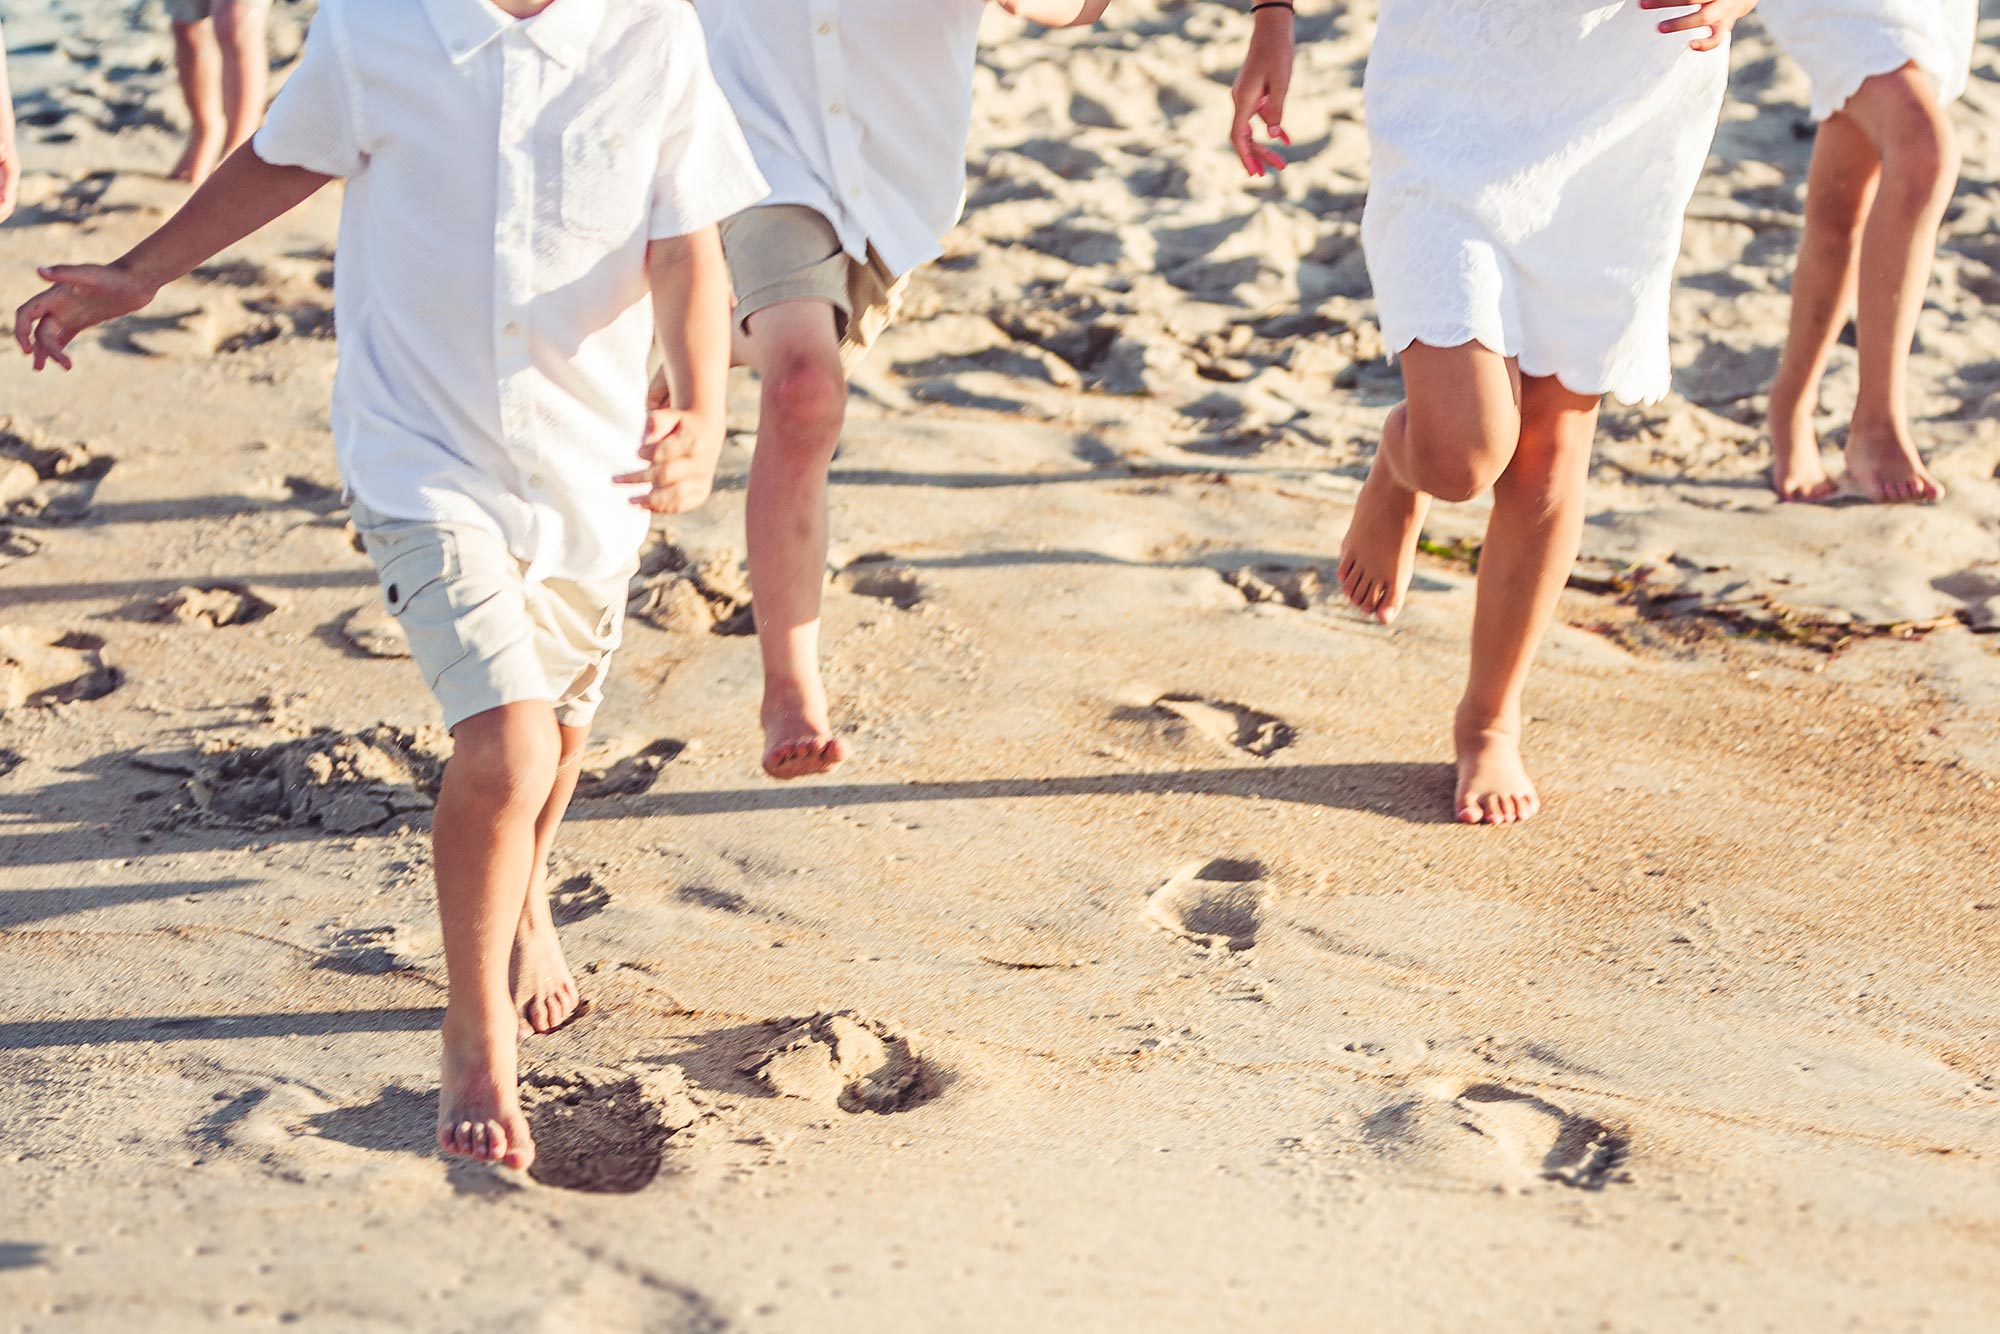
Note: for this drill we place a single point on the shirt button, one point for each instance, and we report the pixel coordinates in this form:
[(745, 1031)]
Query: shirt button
[(511, 328), (535, 482), (826, 29), (832, 109), (616, 142)]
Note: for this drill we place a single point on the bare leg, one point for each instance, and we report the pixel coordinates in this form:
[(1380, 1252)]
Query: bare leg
[(1450, 438), (198, 62), (544, 989), (1838, 193), (498, 782), (796, 350), (1531, 544), (1919, 152), (246, 69)]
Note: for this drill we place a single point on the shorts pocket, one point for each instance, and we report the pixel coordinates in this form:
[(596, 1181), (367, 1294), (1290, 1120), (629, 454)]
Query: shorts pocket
[(407, 574), (605, 181)]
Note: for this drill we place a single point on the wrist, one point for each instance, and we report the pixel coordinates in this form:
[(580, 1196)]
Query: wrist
[(133, 265), (1272, 12)]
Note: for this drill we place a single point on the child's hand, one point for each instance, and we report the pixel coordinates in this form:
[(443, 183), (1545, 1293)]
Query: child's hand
[(681, 451), (1714, 17), (84, 295), (1260, 91)]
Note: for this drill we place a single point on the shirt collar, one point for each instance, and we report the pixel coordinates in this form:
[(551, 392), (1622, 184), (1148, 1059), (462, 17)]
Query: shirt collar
[(562, 31)]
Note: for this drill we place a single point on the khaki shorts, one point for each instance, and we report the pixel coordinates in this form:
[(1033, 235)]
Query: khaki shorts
[(194, 11), (788, 252), (482, 635)]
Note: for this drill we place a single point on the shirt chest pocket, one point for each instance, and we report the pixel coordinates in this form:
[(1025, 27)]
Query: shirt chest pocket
[(606, 179)]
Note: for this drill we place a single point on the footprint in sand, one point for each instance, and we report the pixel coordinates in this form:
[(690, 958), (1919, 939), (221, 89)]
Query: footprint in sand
[(1185, 724), (1502, 1136), (1218, 905), (373, 950), (680, 594), (603, 1131), (343, 782), (619, 769), (1301, 587), (271, 319), (16, 545), (46, 483), (372, 632), (38, 668), (882, 576), (843, 1060), (210, 605), (582, 895), (1237, 726)]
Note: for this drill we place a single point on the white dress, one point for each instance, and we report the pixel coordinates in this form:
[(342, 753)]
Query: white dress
[(1532, 166), (1843, 43)]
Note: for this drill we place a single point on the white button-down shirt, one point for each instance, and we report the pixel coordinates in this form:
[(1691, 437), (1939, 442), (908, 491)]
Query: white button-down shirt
[(857, 108), (504, 177)]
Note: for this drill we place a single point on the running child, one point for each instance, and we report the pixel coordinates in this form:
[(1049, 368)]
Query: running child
[(1531, 169), (858, 112), (222, 58), (522, 176), (1884, 165)]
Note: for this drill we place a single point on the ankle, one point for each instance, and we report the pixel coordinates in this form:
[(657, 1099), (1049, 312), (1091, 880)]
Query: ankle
[(1869, 422), (1477, 719), (792, 694), (485, 1017)]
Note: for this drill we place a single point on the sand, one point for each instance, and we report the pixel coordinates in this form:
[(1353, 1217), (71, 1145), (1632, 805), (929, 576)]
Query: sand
[(1129, 977)]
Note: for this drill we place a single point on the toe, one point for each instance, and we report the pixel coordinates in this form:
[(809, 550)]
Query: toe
[(538, 1013)]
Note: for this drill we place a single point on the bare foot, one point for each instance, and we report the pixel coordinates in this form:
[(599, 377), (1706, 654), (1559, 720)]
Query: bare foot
[(545, 992), (1493, 784), (1379, 554), (479, 1104), (1883, 464), (1797, 473), (203, 151), (797, 737)]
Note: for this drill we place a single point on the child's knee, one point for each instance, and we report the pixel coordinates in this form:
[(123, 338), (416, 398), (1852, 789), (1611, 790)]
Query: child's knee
[(1458, 457), (238, 21), (506, 758), (805, 395), (1920, 159)]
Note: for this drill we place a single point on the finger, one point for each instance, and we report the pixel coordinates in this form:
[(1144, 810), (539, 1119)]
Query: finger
[(1273, 111), (642, 476), (1688, 23), (661, 424), (658, 394), (1270, 158), (679, 470), (24, 319), (1246, 150), (83, 275), (51, 337)]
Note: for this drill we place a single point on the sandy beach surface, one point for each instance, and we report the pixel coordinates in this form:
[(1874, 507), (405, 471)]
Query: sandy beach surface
[(1130, 977)]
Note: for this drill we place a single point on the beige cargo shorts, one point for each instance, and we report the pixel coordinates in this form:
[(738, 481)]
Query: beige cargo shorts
[(788, 252), (482, 635)]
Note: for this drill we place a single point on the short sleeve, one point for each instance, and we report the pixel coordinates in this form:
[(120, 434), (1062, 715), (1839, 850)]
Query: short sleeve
[(706, 170), (313, 124)]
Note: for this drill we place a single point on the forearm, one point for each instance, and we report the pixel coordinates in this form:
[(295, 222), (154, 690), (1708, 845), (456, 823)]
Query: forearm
[(1058, 13), (691, 311), (243, 195)]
